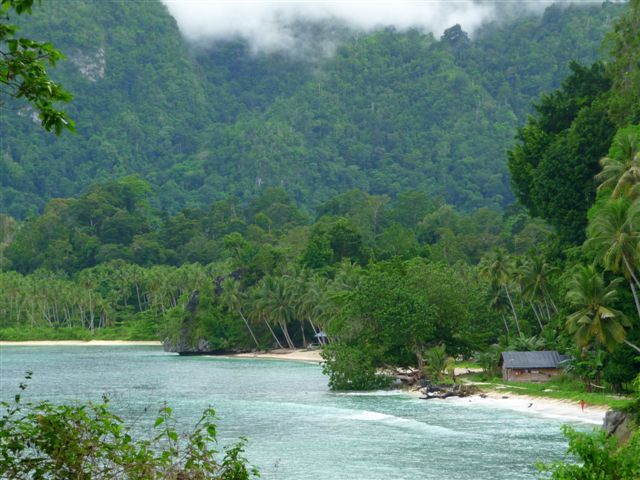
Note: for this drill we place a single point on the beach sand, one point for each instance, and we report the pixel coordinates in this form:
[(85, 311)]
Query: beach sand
[(299, 355), (79, 343), (564, 410)]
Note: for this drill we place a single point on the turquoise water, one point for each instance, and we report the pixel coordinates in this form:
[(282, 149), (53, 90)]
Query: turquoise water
[(297, 428)]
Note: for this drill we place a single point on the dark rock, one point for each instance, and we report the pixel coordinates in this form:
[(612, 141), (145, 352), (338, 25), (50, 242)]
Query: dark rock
[(185, 343), (618, 423), (446, 391)]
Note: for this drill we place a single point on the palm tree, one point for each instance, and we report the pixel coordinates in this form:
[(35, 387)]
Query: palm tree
[(256, 308), (498, 302), (233, 299), (614, 235), (497, 269), (594, 317), (297, 286), (621, 172), (535, 287), (276, 304)]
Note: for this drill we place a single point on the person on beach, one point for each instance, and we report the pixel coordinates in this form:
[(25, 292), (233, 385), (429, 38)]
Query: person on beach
[(582, 405)]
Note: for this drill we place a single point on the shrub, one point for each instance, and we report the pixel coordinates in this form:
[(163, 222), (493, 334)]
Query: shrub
[(88, 442), (350, 368), (600, 457)]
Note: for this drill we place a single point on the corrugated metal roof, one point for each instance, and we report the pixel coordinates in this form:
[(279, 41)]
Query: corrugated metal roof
[(549, 359)]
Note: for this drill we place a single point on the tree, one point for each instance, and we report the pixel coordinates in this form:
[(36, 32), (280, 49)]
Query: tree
[(554, 163), (535, 287), (594, 317), (625, 68), (233, 299), (23, 71), (621, 169), (275, 302), (614, 236), (497, 269)]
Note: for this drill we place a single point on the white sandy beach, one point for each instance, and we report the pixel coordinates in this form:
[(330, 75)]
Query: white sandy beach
[(299, 355), (565, 410), (80, 343)]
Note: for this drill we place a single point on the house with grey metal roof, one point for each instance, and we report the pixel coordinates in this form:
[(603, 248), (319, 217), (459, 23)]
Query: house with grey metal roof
[(532, 366)]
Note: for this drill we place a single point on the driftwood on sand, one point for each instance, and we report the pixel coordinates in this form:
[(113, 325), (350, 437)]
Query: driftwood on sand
[(446, 391)]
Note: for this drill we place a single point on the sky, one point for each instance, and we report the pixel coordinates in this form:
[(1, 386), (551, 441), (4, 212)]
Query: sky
[(267, 25)]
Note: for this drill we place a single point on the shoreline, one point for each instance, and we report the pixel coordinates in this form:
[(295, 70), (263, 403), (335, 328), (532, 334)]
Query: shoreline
[(566, 410), (552, 408), (297, 355), (80, 343)]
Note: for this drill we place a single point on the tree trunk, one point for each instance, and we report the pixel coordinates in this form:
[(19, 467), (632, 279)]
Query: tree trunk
[(506, 325), (513, 309), (273, 333), (91, 317), (283, 327), (249, 328), (635, 347), (138, 297), (633, 275), (553, 304), (635, 297), (535, 312), (304, 339)]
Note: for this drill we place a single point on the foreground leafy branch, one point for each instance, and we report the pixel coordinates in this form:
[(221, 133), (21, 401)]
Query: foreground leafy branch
[(600, 457), (88, 441), (23, 72)]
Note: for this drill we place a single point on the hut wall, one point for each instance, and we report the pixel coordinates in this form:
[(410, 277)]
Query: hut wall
[(530, 375)]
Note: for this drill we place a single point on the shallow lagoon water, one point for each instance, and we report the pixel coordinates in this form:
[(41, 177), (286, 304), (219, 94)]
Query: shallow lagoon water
[(297, 428)]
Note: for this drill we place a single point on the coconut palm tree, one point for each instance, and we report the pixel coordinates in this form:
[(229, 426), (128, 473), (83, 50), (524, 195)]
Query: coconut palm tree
[(594, 317), (535, 287), (621, 172), (256, 308), (498, 302), (497, 269), (232, 298), (614, 235), (276, 304)]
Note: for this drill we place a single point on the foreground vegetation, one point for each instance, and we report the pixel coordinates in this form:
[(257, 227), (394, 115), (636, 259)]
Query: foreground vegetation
[(598, 458), (89, 442)]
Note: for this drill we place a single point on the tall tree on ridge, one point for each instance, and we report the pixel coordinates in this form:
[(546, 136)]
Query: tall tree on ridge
[(594, 317), (497, 269), (614, 234)]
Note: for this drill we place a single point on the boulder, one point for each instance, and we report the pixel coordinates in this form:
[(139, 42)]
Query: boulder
[(618, 423), (184, 342)]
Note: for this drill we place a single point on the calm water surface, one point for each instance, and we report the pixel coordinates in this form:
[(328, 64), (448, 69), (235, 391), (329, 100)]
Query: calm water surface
[(297, 428)]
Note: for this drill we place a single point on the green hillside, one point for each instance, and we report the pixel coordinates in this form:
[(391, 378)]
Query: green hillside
[(390, 111)]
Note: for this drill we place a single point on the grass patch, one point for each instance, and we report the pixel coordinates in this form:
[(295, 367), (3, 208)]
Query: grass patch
[(467, 364), (139, 330), (559, 388)]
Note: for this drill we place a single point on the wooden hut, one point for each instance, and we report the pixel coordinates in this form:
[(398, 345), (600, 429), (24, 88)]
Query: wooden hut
[(531, 366)]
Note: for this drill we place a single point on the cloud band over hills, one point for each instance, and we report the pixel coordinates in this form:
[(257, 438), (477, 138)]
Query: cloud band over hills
[(270, 25)]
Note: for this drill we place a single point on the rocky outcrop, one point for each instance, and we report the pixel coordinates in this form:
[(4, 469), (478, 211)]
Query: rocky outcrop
[(618, 423), (185, 342), (91, 66)]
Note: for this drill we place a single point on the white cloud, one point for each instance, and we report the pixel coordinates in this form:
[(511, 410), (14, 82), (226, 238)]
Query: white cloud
[(268, 25)]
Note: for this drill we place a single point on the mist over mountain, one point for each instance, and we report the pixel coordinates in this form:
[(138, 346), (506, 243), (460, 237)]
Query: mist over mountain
[(380, 109), (269, 26)]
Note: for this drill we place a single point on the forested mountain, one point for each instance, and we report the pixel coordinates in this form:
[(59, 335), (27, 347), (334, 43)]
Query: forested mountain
[(389, 111), (402, 278)]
